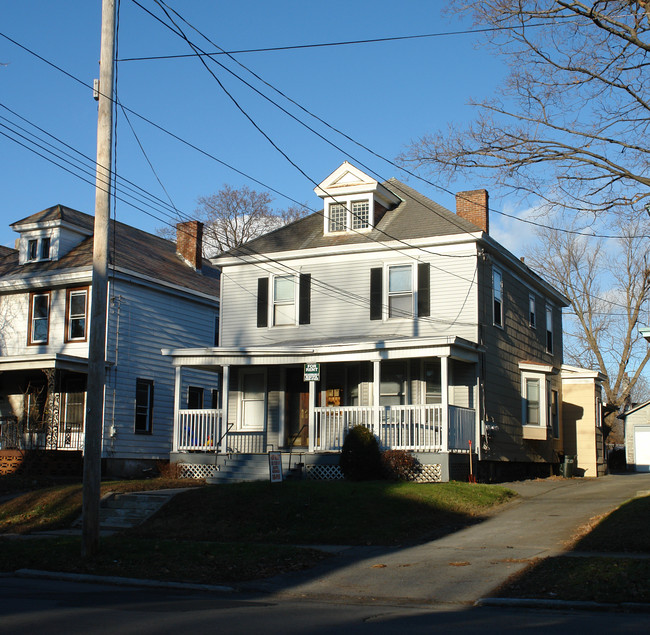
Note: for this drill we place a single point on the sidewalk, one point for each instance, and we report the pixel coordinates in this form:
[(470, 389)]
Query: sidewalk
[(463, 567)]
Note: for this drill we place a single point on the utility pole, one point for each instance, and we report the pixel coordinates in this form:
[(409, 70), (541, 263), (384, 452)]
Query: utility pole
[(97, 344)]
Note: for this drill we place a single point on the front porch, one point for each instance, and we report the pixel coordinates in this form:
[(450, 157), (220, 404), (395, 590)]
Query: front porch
[(418, 396)]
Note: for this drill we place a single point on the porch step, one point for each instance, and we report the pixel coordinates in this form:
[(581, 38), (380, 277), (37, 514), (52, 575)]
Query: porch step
[(240, 468), (123, 511)]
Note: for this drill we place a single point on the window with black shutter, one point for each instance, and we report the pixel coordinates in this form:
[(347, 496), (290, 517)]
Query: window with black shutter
[(262, 302), (376, 293), (304, 308)]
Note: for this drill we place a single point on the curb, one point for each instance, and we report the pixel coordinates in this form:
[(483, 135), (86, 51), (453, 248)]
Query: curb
[(628, 607), (118, 581)]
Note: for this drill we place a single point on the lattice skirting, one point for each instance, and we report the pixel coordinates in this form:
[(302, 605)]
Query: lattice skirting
[(427, 474), (323, 472), (192, 470)]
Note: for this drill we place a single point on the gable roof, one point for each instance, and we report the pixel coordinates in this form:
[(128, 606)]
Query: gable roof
[(6, 251), (129, 249), (416, 216)]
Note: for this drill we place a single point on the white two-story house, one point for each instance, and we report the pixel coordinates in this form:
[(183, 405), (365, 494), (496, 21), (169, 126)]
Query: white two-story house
[(389, 311), (160, 293)]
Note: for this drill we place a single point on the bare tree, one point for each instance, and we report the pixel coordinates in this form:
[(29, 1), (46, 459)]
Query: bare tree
[(608, 287), (234, 216), (570, 124)]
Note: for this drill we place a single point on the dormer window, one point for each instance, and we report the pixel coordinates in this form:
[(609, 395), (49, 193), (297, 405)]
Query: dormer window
[(32, 249), (338, 217), (353, 201), (45, 248), (360, 214), (38, 249)]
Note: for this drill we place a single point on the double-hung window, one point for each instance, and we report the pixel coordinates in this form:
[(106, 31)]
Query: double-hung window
[(400, 291), (45, 248), (497, 297), (539, 401), (549, 329), (532, 399), (532, 316), (76, 315), (143, 406), (284, 302), (32, 249), (39, 318)]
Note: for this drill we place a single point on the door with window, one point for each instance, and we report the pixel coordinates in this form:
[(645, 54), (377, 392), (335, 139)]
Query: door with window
[(297, 407), (253, 399)]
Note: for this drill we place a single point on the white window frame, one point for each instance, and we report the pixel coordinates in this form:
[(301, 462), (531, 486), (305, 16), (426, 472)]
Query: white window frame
[(496, 272), (241, 424), (32, 319), (69, 317), (272, 302), (540, 378), (532, 312), (36, 244), (349, 221), (388, 294)]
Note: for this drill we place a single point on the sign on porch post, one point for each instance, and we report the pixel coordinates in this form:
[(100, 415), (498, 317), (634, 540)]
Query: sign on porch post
[(312, 372), (275, 467)]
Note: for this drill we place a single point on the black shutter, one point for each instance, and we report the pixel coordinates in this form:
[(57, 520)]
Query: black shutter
[(375, 294), (304, 307), (424, 289), (262, 302)]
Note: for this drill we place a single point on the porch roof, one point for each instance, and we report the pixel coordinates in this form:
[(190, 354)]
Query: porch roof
[(326, 350), (43, 361)]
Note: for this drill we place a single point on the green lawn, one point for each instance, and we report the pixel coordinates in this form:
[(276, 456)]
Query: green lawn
[(601, 579), (229, 533)]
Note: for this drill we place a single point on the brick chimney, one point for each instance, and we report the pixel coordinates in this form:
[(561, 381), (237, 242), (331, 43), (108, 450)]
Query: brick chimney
[(189, 243), (473, 206)]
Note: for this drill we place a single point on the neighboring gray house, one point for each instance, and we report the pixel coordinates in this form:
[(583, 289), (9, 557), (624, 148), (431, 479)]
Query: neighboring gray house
[(415, 323), (159, 294), (637, 437)]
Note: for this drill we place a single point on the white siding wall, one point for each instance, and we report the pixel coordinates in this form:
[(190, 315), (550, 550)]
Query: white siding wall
[(340, 292), (14, 324), (150, 320)]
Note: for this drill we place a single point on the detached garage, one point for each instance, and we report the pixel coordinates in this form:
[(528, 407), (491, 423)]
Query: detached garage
[(637, 437)]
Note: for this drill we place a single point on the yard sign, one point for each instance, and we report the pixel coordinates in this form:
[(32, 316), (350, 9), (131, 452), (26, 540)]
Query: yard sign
[(312, 372), (275, 467)]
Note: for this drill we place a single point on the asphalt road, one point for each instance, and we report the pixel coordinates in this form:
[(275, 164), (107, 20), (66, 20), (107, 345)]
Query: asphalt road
[(51, 607)]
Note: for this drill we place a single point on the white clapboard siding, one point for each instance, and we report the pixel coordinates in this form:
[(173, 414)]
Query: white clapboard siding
[(151, 319), (340, 292)]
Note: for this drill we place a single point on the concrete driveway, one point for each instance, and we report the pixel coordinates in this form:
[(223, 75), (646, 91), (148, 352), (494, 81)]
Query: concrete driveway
[(465, 566)]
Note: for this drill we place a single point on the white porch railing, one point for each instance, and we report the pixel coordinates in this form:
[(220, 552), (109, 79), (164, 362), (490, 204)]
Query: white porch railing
[(417, 428), (198, 430)]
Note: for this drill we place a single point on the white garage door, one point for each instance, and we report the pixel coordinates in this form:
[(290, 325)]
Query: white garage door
[(642, 449)]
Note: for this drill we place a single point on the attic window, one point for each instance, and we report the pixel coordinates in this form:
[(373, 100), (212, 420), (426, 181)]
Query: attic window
[(38, 249), (349, 216), (338, 216), (32, 249), (45, 248)]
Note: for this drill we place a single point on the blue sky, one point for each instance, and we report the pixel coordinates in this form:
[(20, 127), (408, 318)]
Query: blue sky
[(382, 95)]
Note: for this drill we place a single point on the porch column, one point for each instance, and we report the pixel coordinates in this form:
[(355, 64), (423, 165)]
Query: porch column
[(444, 381), (225, 389), (376, 385), (177, 398), (312, 431)]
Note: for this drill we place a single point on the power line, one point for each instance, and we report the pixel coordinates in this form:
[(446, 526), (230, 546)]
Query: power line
[(294, 47)]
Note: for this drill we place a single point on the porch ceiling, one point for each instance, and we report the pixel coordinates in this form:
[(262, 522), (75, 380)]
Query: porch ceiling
[(404, 348)]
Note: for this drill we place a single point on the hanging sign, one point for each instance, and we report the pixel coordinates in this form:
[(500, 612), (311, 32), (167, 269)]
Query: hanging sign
[(312, 372)]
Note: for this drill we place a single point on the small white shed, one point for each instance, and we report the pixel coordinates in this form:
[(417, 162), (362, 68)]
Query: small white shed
[(637, 437)]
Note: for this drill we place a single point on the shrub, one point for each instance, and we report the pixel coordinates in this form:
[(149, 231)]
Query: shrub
[(398, 465), (360, 457), (170, 470)]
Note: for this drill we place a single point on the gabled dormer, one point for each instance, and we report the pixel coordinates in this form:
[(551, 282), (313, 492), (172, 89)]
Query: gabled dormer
[(51, 233), (353, 201)]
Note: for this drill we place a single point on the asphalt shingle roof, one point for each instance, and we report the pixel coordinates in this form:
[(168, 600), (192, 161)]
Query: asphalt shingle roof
[(129, 248), (415, 217)]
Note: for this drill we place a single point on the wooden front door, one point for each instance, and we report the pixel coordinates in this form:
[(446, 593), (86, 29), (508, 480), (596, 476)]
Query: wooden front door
[(297, 408)]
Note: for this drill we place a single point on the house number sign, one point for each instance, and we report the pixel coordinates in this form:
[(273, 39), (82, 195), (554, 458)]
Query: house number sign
[(312, 372)]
